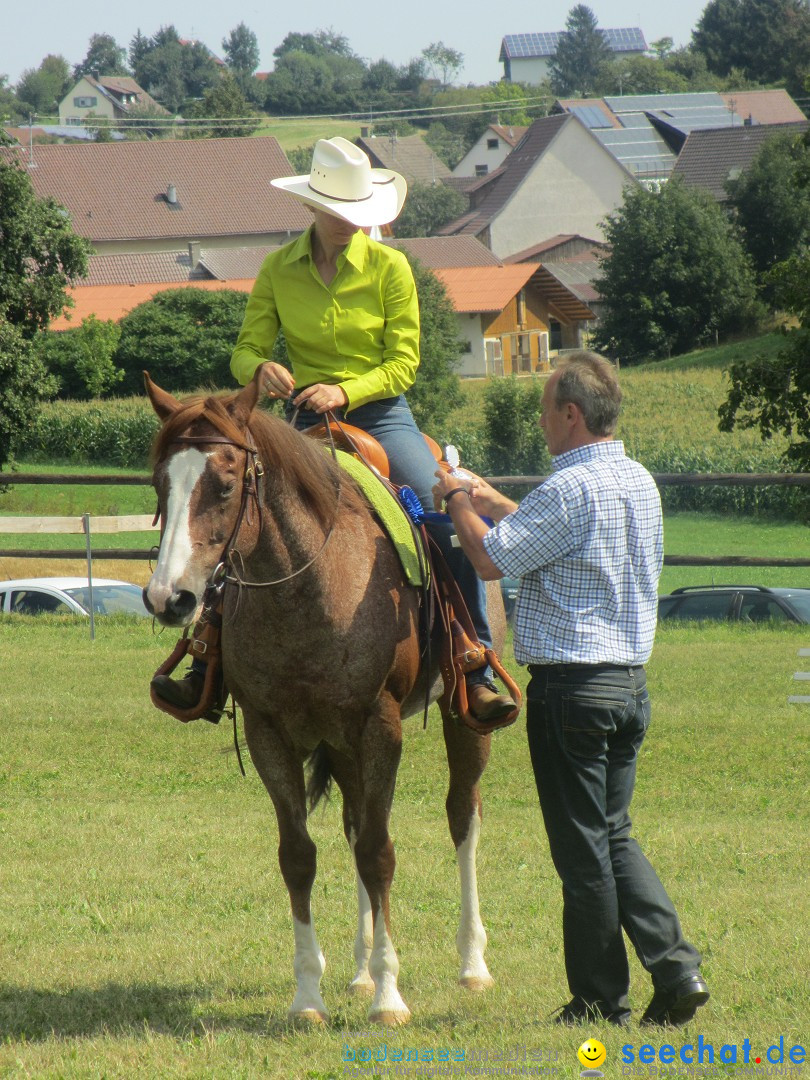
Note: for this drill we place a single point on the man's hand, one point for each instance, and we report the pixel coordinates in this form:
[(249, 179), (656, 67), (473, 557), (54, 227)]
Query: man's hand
[(321, 397), (276, 381)]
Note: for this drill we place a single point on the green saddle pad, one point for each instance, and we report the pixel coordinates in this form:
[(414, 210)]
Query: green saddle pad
[(391, 514)]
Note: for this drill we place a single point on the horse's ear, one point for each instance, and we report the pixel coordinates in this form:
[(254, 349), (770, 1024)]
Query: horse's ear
[(162, 402), (244, 403)]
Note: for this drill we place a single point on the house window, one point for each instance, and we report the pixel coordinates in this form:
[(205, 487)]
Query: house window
[(492, 144), (521, 308), (481, 170), (85, 102), (555, 334)]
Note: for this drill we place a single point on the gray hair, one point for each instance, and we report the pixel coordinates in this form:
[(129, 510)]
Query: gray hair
[(589, 381)]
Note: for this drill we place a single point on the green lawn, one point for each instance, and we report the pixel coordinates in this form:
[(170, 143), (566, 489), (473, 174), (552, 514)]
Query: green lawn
[(146, 931)]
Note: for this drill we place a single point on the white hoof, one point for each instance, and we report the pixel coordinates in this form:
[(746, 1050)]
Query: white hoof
[(390, 1017), (476, 983), (308, 1017), (361, 985)]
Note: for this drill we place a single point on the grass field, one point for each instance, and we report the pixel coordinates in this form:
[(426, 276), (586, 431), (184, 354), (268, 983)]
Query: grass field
[(146, 931)]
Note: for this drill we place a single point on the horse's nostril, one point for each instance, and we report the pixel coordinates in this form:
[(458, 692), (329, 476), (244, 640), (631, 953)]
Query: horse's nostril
[(147, 603), (182, 604)]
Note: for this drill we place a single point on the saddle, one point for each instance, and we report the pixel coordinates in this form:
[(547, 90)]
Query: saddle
[(460, 650)]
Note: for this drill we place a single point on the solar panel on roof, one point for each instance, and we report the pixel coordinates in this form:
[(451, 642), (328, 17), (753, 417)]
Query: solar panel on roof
[(634, 120), (517, 46), (646, 102), (591, 116)]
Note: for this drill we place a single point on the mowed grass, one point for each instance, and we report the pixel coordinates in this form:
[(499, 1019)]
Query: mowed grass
[(146, 931)]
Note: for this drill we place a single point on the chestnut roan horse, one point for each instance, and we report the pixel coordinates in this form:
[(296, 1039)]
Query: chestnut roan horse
[(321, 651)]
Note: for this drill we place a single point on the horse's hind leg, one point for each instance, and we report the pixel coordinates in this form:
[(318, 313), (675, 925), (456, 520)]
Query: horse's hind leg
[(467, 756), (344, 770), (379, 754), (282, 773)]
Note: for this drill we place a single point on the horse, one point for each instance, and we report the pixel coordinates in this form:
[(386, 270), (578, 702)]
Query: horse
[(321, 650)]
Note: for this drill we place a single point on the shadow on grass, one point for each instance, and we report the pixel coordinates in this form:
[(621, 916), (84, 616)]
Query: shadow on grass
[(34, 1015)]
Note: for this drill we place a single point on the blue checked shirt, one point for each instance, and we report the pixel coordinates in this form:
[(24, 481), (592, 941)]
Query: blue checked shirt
[(588, 547)]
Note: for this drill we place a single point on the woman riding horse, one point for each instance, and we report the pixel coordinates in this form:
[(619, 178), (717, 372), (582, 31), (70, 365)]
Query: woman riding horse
[(350, 315)]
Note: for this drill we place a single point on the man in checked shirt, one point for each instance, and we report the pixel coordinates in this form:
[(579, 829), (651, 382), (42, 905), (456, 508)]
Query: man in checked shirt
[(587, 546)]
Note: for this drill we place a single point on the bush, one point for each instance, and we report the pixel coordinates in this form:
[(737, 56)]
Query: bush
[(116, 432)]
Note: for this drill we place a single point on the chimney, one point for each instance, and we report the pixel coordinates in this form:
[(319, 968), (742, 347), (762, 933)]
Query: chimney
[(749, 121), (194, 253), (363, 132), (171, 194)]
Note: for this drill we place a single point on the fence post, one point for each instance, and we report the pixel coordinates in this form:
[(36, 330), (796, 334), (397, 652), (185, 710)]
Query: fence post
[(86, 527)]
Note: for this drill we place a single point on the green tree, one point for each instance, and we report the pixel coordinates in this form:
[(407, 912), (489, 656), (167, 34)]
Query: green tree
[(767, 40), (772, 202), (437, 389), (773, 394), (514, 439), (241, 48), (226, 102), (427, 208), (582, 53), (81, 358), (516, 103), (172, 72), (24, 383), (640, 75), (11, 109), (676, 276), (183, 337), (300, 83), (139, 48), (41, 89), (662, 47), (443, 61), (40, 254), (104, 56)]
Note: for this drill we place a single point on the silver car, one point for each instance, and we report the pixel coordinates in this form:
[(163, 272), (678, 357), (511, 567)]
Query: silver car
[(70, 596)]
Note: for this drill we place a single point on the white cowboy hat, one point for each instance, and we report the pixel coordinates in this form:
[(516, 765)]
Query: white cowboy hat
[(343, 182)]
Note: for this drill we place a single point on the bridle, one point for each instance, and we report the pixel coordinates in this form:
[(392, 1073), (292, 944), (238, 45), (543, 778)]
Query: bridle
[(252, 492)]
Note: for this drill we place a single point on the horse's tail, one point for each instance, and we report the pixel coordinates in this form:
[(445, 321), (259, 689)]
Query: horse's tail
[(319, 781)]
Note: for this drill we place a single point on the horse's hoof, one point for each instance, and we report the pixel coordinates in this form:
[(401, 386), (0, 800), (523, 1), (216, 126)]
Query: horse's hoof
[(308, 1017), (476, 983), (390, 1018), (361, 987)]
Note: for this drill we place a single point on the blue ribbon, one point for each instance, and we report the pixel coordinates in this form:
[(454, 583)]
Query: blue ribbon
[(413, 508)]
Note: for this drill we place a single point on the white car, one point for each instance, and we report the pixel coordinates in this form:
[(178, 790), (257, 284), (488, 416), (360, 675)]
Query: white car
[(70, 596)]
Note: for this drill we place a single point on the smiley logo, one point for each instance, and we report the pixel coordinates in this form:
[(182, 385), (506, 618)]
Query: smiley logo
[(592, 1054)]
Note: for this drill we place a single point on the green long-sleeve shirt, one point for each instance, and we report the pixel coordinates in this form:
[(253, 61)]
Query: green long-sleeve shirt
[(360, 332)]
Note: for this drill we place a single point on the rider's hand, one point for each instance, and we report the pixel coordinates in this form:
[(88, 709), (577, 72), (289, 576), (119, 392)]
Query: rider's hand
[(276, 381), (321, 398)]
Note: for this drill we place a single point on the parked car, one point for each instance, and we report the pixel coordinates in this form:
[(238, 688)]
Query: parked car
[(742, 603), (509, 591), (70, 596)]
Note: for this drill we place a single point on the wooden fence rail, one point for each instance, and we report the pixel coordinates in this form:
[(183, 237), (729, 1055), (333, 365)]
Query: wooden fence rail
[(141, 522)]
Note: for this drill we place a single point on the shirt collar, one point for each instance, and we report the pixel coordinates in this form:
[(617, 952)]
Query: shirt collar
[(355, 251), (612, 448)]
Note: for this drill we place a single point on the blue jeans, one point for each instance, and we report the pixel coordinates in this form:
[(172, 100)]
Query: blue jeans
[(391, 422), (586, 724)]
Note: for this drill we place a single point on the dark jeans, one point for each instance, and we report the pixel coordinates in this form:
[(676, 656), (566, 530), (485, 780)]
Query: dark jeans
[(586, 724), (391, 422)]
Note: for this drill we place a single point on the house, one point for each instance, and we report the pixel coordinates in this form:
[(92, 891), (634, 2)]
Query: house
[(526, 57), (490, 150), (115, 284), (709, 159), (569, 266), (135, 197), (558, 179), (110, 96), (511, 319), (646, 132), (408, 155)]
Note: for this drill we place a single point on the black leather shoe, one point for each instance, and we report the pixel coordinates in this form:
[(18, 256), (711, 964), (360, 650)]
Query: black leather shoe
[(183, 693), (486, 704), (578, 1012), (672, 1008)]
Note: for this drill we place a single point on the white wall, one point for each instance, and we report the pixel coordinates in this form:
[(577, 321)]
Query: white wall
[(473, 363), (570, 190)]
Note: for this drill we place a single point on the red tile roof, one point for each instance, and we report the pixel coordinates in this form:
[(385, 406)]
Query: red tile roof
[(409, 155), (117, 191), (484, 288), (764, 106), (114, 301), (443, 252)]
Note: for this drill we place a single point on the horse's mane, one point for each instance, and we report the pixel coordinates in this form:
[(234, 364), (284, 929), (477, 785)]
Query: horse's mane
[(289, 458)]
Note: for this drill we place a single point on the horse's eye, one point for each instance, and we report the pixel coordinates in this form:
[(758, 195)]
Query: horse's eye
[(227, 490)]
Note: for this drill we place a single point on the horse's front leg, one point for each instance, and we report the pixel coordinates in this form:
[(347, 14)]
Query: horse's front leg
[(381, 747), (467, 756), (282, 773)]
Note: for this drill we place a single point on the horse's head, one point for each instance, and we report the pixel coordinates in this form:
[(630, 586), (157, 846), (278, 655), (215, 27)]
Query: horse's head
[(202, 456)]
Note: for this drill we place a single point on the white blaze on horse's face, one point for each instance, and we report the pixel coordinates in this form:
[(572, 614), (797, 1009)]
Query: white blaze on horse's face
[(176, 571)]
